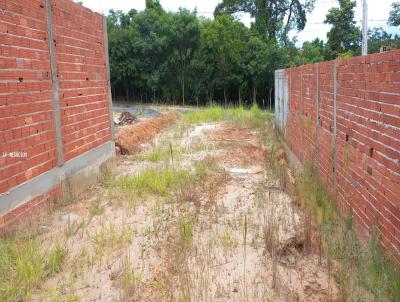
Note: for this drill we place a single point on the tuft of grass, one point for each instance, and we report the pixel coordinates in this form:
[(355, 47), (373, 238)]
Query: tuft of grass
[(227, 240), (155, 181), (96, 209), (314, 195), (210, 114), (21, 267), (162, 153), (73, 227), (201, 169), (237, 115), (186, 228), (366, 271), (55, 259), (130, 280), (111, 237), (154, 156)]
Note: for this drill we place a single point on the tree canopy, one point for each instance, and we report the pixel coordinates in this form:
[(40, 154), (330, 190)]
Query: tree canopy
[(394, 15), (344, 35), (180, 58), (273, 18)]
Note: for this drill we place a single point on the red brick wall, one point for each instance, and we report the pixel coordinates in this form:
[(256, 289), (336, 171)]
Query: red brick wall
[(367, 136), (26, 119), (26, 111), (81, 64)]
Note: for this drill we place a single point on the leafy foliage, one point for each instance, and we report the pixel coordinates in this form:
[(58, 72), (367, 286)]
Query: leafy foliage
[(177, 56), (378, 37), (273, 19), (180, 58), (394, 16), (344, 35)]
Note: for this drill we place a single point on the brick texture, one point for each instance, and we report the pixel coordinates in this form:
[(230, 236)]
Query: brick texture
[(367, 136), (26, 111), (81, 64)]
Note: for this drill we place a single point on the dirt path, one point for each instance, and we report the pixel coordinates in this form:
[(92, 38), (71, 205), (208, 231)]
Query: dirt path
[(229, 258), (197, 216)]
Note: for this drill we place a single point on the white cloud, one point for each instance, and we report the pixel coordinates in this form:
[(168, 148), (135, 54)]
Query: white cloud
[(377, 10)]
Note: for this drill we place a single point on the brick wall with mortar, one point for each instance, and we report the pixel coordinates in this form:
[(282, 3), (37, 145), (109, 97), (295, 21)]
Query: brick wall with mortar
[(54, 90), (344, 117)]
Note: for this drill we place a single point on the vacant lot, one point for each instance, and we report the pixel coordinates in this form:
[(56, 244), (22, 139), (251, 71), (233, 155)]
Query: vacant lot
[(199, 213)]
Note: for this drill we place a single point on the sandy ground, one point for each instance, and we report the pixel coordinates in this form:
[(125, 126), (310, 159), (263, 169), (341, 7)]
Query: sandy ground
[(248, 240)]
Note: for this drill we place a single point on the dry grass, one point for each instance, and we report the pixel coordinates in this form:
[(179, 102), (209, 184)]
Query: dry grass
[(181, 220), (365, 272)]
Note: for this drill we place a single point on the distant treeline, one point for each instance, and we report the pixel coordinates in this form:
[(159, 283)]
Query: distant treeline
[(180, 58)]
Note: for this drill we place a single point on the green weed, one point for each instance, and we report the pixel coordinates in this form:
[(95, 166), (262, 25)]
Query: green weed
[(21, 267), (111, 237), (130, 280), (365, 268), (227, 240), (186, 228), (210, 114), (236, 115), (155, 181), (96, 209), (56, 258)]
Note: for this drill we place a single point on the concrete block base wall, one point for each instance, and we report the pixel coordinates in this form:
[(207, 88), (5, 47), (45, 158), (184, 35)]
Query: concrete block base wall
[(55, 101), (344, 117)]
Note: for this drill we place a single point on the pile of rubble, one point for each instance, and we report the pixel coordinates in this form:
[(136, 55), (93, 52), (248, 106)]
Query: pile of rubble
[(124, 118)]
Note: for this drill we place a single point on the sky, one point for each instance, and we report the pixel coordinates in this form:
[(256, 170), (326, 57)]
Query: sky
[(378, 13)]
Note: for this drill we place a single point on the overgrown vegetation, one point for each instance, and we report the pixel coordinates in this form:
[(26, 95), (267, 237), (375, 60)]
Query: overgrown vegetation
[(179, 57), (163, 152), (238, 116), (365, 269), (365, 272), (23, 266), (161, 181)]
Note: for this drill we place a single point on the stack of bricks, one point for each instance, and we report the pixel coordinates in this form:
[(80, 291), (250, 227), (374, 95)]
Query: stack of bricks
[(344, 117), (30, 87)]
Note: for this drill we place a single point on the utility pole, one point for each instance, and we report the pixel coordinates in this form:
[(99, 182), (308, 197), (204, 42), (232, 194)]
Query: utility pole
[(365, 28)]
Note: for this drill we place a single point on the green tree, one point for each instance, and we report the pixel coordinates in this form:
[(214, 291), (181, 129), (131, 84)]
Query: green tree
[(185, 37), (394, 15), (157, 55), (311, 52), (220, 46), (256, 62), (273, 18), (152, 27), (378, 37), (344, 36), (154, 5), (123, 41)]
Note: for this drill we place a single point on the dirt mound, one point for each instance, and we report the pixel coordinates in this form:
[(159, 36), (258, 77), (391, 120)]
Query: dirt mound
[(129, 138)]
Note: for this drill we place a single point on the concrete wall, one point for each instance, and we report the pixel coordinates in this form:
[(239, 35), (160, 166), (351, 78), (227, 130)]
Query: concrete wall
[(55, 104), (281, 98), (344, 116)]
